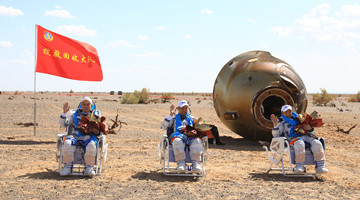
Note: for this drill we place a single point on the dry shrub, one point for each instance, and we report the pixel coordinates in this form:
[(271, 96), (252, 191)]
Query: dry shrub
[(136, 97), (166, 97), (144, 96), (129, 98), (355, 98), (323, 98), (71, 91)]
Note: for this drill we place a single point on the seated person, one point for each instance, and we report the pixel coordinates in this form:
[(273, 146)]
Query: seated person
[(179, 139), (78, 122), (214, 137), (288, 128)]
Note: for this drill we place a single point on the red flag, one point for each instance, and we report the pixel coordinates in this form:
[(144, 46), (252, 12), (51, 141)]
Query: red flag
[(62, 56)]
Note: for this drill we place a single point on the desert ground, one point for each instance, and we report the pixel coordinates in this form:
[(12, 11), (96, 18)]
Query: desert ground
[(237, 170)]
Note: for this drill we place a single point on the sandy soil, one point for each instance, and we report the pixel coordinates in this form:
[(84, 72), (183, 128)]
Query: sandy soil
[(28, 169)]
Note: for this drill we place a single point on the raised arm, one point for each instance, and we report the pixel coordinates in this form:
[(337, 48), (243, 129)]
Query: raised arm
[(66, 107), (166, 122), (274, 120), (172, 110), (65, 119), (276, 129)]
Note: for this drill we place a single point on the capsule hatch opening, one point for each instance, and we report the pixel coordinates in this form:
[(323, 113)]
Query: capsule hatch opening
[(272, 105)]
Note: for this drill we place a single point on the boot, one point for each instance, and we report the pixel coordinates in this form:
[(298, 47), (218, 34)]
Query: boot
[(299, 169), (89, 170), (66, 171), (196, 168), (181, 167), (320, 167)]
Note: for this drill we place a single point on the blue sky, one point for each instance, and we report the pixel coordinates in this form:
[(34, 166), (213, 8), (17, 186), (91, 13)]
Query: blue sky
[(180, 46)]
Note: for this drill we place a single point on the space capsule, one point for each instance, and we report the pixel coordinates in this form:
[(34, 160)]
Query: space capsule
[(251, 87)]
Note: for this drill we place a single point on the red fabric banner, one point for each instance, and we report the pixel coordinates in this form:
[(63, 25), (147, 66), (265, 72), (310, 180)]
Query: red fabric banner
[(62, 56)]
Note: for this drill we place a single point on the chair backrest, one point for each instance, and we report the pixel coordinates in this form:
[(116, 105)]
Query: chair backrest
[(169, 131), (69, 129)]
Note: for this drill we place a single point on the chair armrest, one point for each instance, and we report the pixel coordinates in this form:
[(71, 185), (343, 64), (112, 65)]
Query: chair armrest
[(278, 144)]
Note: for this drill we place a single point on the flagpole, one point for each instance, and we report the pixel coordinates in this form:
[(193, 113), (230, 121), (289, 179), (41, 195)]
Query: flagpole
[(35, 80), (35, 104)]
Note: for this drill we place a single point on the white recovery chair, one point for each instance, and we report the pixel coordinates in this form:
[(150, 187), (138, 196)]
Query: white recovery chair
[(279, 147), (167, 158), (78, 157)]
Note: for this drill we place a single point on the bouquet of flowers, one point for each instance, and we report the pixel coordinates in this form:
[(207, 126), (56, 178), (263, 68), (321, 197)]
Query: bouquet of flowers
[(92, 125), (307, 122)]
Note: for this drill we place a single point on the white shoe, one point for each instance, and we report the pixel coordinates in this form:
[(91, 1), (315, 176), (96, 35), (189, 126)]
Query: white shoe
[(66, 171), (181, 167), (89, 170), (196, 168), (299, 169), (321, 170)]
